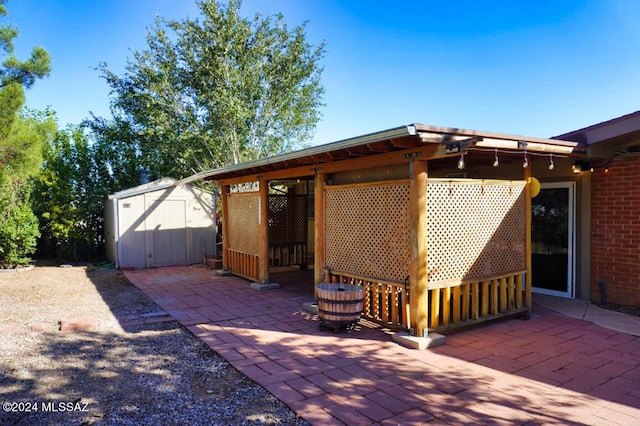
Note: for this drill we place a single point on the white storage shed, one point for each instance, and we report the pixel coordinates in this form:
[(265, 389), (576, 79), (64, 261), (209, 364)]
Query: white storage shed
[(161, 223)]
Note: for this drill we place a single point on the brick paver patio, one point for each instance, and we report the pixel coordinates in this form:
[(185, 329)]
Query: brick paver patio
[(552, 369)]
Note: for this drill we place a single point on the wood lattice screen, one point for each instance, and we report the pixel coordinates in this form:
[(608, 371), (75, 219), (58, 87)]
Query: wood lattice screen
[(287, 219), (367, 230), (476, 229), (243, 222)]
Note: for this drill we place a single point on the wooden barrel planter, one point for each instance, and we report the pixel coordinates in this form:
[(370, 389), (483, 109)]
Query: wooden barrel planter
[(339, 305)]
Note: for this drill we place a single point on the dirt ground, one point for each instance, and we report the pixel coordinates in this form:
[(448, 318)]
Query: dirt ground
[(84, 346)]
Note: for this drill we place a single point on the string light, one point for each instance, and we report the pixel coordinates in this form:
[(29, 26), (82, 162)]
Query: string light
[(461, 162), (526, 154)]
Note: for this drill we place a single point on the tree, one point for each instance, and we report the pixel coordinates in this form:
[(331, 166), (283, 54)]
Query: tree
[(58, 202), (22, 135), (215, 91), (21, 161), (70, 192)]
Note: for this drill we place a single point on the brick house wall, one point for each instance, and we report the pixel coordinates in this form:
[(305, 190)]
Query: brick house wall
[(615, 232)]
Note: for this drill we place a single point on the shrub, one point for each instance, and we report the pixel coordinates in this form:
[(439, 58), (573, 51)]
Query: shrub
[(19, 231)]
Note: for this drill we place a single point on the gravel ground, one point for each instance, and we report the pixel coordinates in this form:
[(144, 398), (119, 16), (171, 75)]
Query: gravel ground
[(117, 360)]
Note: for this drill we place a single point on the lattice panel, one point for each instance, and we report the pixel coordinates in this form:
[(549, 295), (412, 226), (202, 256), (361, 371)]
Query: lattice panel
[(287, 219), (243, 222), (476, 229), (367, 230)]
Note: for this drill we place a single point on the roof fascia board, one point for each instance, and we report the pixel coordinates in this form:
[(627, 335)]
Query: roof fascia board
[(523, 145)]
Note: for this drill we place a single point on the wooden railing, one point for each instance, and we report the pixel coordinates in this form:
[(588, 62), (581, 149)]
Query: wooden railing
[(451, 304), (385, 302), (288, 254), (243, 264), (466, 302)]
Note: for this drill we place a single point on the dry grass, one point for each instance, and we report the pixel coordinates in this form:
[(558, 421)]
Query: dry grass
[(129, 363)]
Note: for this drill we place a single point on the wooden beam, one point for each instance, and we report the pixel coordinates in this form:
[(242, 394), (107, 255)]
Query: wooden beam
[(426, 152), (225, 226), (382, 146), (404, 142), (318, 209), (528, 298), (418, 272), (263, 233), (359, 151)]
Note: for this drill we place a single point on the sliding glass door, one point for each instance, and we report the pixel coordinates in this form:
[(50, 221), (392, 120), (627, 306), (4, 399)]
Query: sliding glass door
[(553, 239)]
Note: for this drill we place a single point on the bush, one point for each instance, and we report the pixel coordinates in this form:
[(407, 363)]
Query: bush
[(19, 231)]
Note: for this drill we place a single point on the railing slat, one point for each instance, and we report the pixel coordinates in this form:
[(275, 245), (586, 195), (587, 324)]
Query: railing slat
[(485, 297), (435, 308), (465, 302), (518, 291), (503, 294), (510, 293), (475, 301)]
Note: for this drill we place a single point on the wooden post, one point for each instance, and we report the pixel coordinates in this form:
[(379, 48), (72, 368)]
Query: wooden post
[(263, 233), (318, 213), (528, 300), (418, 272), (225, 226)]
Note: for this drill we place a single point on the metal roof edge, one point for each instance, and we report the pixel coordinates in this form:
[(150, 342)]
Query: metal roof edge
[(141, 189)]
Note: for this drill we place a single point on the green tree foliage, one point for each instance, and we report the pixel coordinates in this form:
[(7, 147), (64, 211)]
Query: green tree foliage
[(22, 136), (58, 194), (214, 91), (19, 230), (70, 192)]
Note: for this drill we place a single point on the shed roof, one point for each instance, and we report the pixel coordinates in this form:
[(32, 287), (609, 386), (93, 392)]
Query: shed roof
[(156, 185), (161, 183), (401, 138)]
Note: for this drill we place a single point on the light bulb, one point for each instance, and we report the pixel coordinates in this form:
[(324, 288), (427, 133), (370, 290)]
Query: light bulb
[(461, 162), (551, 165), (526, 162)]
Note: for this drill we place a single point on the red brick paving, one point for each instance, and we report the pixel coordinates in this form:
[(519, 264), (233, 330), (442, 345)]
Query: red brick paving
[(552, 369)]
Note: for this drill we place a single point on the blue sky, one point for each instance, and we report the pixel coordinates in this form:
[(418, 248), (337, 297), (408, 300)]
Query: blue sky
[(536, 68)]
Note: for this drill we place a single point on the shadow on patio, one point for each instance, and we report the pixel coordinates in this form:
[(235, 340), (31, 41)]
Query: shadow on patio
[(551, 369)]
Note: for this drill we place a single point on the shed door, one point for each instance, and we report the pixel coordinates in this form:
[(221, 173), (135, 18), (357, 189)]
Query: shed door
[(166, 233)]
